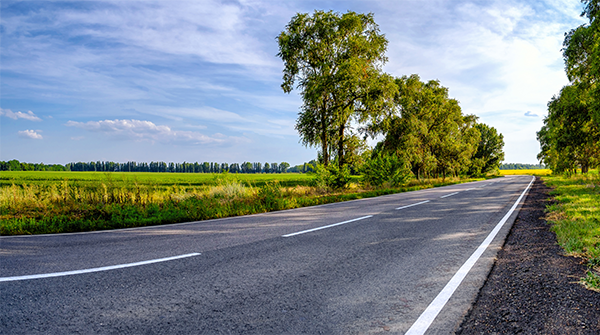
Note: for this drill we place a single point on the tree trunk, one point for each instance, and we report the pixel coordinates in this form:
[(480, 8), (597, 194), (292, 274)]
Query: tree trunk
[(324, 146), (340, 153)]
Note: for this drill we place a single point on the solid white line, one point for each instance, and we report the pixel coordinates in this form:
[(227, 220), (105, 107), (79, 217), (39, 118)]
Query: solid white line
[(449, 195), (104, 268), (328, 226), (424, 321), (418, 203)]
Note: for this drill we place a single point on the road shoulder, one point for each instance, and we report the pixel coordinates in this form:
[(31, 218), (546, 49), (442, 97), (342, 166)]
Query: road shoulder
[(533, 287)]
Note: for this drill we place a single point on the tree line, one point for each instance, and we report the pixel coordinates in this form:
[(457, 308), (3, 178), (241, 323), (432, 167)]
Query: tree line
[(519, 166), (15, 165), (570, 136), (335, 61), (107, 166)]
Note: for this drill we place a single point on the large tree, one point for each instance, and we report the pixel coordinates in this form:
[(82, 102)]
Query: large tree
[(570, 137), (335, 60)]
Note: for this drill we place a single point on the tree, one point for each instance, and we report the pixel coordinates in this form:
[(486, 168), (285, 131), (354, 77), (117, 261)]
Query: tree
[(489, 152), (571, 132), (428, 129), (570, 137), (283, 166), (336, 61)]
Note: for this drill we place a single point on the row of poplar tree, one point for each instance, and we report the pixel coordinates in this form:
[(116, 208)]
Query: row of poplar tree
[(205, 167), (107, 166), (335, 61), (570, 137)]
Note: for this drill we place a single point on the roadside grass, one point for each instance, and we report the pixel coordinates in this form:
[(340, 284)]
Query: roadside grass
[(575, 219), (88, 201), (531, 172)]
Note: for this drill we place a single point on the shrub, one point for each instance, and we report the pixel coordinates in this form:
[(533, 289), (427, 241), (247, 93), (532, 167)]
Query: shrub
[(385, 168), (332, 176)]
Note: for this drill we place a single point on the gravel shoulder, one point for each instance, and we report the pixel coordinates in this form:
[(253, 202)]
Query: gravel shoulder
[(533, 287)]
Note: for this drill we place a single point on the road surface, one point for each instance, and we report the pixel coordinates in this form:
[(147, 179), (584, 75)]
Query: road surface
[(365, 266)]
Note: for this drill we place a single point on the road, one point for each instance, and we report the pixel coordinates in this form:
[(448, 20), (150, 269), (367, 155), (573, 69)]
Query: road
[(364, 266)]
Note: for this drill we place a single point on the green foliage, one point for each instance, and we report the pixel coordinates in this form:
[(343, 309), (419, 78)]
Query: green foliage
[(271, 195), (570, 136), (591, 281), (385, 168), (489, 152), (336, 61), (571, 132), (429, 129), (332, 176)]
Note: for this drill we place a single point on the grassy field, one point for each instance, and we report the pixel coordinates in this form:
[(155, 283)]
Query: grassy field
[(59, 202), (531, 172), (7, 178), (576, 219)]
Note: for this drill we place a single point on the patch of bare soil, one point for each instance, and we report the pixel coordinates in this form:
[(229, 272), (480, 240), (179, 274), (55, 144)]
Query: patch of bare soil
[(533, 288)]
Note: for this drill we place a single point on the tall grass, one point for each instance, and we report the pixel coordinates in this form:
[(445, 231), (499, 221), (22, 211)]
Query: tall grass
[(106, 201), (575, 219)]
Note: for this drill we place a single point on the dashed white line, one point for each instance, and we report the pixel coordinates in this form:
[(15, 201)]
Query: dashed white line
[(328, 226), (104, 268), (424, 321), (418, 203), (449, 195)]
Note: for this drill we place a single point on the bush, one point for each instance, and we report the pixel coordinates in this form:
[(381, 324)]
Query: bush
[(332, 176), (385, 168)]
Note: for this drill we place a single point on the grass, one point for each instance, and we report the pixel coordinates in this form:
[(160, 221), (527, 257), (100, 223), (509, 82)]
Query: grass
[(575, 219), (62, 202), (530, 172)]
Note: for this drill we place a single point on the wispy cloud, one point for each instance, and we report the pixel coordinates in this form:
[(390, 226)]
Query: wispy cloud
[(32, 134), (19, 115), (145, 130), (528, 113)]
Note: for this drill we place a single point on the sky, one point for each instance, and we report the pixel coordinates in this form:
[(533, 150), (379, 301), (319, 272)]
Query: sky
[(191, 81)]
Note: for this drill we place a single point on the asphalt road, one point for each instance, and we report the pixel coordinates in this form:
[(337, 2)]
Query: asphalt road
[(244, 276)]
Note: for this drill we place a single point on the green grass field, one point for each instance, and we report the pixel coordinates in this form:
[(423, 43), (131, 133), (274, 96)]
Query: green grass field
[(8, 178), (576, 219)]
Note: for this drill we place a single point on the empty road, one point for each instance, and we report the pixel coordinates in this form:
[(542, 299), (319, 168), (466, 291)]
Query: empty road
[(358, 267)]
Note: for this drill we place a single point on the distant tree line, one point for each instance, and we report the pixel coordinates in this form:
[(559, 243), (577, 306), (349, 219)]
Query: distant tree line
[(570, 137), (205, 167), (519, 166), (15, 165)]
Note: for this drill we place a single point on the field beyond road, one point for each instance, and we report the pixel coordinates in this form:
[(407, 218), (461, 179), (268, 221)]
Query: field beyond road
[(61, 202)]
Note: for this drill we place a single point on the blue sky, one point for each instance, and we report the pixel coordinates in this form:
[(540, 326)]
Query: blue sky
[(200, 80)]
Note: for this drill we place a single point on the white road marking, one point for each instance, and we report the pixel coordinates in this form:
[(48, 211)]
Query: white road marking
[(418, 203), (104, 268), (424, 321), (449, 195), (328, 226)]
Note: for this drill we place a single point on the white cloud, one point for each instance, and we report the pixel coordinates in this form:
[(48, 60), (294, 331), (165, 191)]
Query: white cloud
[(31, 134), (19, 115), (144, 130)]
